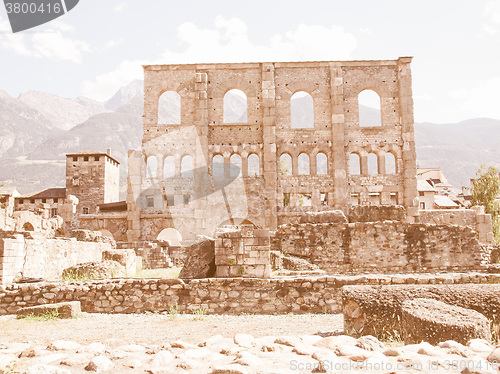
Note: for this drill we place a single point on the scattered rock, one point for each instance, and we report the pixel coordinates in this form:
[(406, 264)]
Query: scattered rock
[(332, 342), (370, 343), (45, 369), (244, 340), (63, 345), (100, 364), (229, 369), (161, 359)]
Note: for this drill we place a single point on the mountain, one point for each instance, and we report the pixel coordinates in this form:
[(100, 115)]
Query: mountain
[(22, 127), (33, 145), (120, 131), (458, 148), (63, 113), (125, 94)]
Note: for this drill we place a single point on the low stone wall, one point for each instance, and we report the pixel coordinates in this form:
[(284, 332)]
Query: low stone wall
[(387, 246), (320, 294), (475, 218), (33, 255)]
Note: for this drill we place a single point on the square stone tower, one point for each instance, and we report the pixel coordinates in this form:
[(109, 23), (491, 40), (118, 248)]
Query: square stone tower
[(93, 177)]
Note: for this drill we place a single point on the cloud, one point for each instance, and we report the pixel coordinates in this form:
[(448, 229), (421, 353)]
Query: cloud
[(120, 7), (228, 41), (492, 16), (113, 43), (55, 46), (50, 44), (105, 85)]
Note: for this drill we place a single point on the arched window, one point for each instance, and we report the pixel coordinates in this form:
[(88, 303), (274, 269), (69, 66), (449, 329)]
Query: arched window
[(218, 166), (301, 110), (253, 165), (304, 166), (169, 167), (235, 165), (354, 164), (169, 108), (235, 107), (390, 163), (372, 164), (285, 164), (151, 167), (187, 167), (369, 109), (321, 164), (170, 235)]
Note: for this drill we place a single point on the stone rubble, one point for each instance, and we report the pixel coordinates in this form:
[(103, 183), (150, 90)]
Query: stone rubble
[(245, 354)]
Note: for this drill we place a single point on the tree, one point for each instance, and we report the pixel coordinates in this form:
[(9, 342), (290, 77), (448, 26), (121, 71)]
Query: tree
[(485, 190)]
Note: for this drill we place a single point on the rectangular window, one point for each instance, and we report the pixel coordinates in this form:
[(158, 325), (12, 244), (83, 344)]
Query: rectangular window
[(150, 201), (422, 205), (75, 158), (374, 198), (96, 158), (53, 212), (305, 199), (323, 198), (286, 199), (44, 201), (394, 198), (56, 201), (85, 158), (355, 199), (187, 199), (420, 193), (32, 201), (170, 200), (85, 210)]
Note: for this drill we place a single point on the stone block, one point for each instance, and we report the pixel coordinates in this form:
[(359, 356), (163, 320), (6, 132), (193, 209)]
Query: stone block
[(434, 321), (69, 309)]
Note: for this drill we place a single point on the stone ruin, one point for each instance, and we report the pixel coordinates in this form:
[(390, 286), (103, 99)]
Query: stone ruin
[(297, 183)]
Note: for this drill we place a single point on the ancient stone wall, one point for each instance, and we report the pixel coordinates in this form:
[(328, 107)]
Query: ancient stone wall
[(370, 213), (388, 246), (216, 295), (162, 190), (243, 252), (475, 218), (33, 255)]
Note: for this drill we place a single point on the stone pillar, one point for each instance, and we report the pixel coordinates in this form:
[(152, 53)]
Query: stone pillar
[(338, 158), (270, 161), (409, 153), (201, 160), (134, 182), (381, 164)]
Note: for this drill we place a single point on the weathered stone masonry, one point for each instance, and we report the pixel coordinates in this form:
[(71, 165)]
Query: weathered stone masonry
[(268, 134), (216, 295), (387, 246)]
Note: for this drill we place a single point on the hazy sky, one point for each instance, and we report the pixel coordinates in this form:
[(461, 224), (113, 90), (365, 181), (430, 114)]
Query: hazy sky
[(100, 45)]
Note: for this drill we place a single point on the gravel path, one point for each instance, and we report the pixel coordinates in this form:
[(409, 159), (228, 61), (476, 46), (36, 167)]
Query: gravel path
[(154, 328)]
